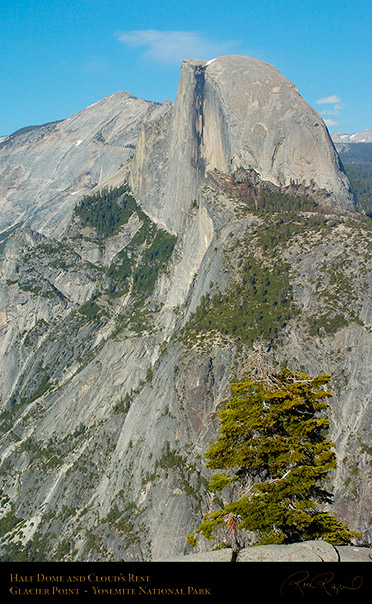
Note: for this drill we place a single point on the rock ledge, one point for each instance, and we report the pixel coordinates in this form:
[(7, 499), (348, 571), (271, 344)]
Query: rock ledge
[(308, 551)]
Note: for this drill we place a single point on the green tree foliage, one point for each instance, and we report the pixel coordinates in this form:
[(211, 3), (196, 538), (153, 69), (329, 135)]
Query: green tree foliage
[(260, 303), (273, 446), (355, 153), (154, 259), (357, 161), (360, 176), (106, 210)]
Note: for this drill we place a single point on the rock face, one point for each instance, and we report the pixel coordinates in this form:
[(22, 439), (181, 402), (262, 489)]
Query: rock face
[(230, 113), (44, 170), (124, 321), (308, 551)]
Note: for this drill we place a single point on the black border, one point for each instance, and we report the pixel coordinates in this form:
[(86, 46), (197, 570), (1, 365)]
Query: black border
[(189, 582)]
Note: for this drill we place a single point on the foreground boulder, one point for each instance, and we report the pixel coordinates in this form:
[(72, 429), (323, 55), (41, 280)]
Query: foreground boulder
[(308, 551)]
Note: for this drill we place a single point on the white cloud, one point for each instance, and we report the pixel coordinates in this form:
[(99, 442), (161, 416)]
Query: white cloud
[(330, 111), (173, 46), (331, 123), (334, 100), (329, 100)]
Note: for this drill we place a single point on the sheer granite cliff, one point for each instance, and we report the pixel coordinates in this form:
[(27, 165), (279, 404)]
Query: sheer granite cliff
[(123, 326), (231, 113)]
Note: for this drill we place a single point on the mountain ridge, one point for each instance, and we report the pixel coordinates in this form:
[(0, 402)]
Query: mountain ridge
[(68, 158), (365, 136), (126, 313)]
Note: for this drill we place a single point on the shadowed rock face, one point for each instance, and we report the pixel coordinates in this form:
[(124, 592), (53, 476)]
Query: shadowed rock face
[(233, 112)]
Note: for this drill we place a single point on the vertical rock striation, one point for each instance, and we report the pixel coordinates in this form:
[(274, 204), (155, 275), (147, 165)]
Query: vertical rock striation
[(234, 112)]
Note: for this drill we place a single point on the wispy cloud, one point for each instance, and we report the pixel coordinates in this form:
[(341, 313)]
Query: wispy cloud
[(173, 46), (331, 122), (335, 106), (329, 112), (329, 100)]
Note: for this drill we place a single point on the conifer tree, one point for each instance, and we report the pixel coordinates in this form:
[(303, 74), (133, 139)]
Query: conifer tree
[(273, 446)]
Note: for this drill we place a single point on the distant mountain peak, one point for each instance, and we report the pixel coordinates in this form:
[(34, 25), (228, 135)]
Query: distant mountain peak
[(365, 136)]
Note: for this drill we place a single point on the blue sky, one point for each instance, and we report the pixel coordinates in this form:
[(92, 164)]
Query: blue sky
[(60, 56)]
